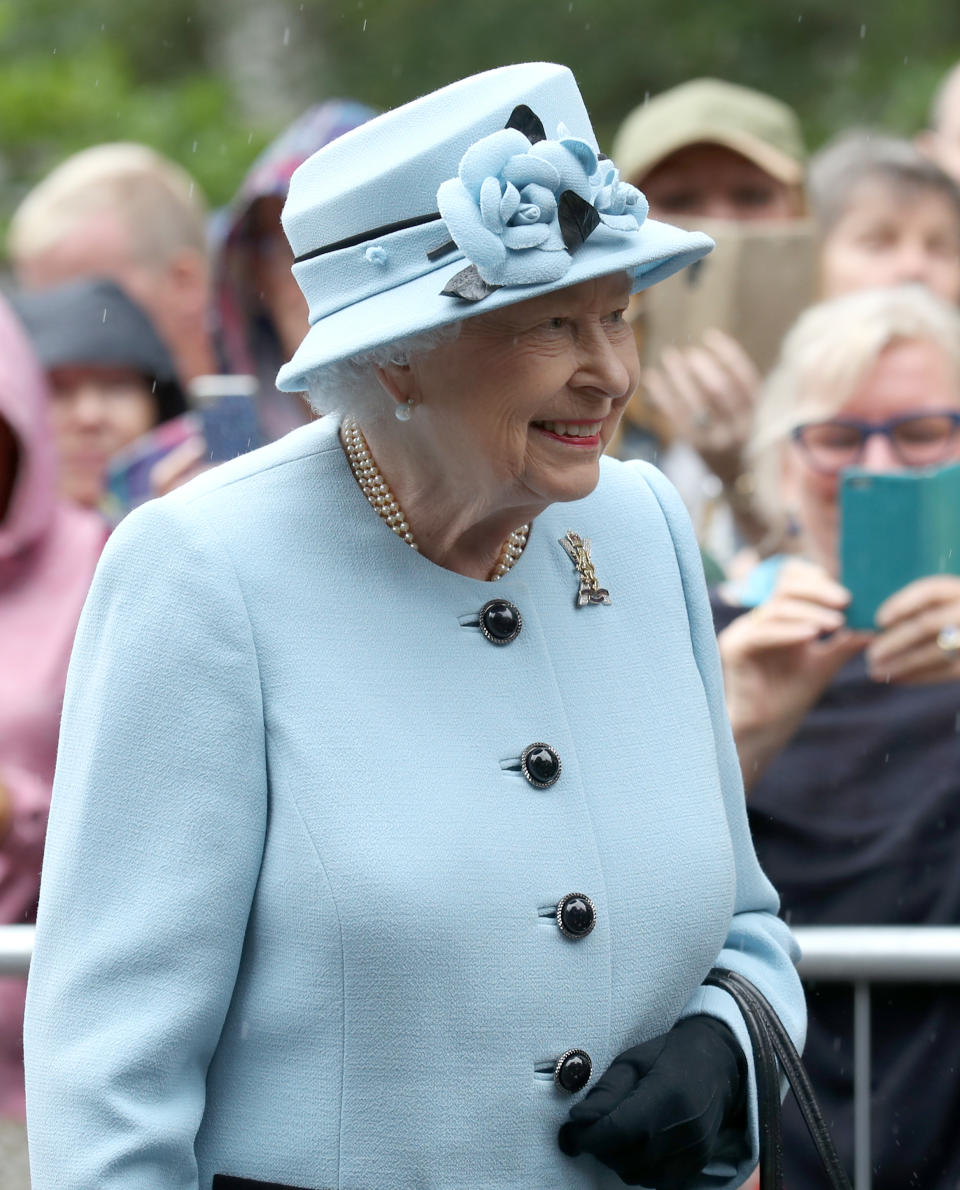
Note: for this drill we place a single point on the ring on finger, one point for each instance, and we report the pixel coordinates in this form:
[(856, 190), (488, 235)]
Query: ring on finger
[(948, 640)]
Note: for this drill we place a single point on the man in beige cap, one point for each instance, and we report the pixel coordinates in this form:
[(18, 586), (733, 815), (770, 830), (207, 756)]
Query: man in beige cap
[(709, 150), (714, 150)]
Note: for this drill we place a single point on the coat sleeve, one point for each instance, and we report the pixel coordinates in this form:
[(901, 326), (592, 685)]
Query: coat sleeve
[(154, 847), (759, 945)]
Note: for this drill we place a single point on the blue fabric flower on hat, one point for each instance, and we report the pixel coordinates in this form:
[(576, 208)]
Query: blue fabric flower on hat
[(620, 205), (519, 202)]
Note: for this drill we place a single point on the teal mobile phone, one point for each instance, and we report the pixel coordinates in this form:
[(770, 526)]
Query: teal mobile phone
[(895, 527)]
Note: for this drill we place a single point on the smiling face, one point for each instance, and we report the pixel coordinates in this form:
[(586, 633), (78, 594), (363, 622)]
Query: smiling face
[(516, 412), (890, 235), (909, 377)]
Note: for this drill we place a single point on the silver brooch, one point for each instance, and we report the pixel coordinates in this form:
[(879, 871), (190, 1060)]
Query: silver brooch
[(579, 550)]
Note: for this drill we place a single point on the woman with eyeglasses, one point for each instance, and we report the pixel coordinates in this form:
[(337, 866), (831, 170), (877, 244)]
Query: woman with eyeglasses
[(850, 741)]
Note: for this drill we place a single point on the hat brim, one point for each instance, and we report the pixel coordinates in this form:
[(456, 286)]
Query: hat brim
[(653, 253)]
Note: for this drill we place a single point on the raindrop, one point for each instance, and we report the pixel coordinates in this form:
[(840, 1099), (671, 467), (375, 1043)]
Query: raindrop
[(54, 49), (104, 319), (191, 189), (364, 29), (286, 35), (863, 32), (799, 17), (194, 149), (570, 6), (711, 487), (249, 138)]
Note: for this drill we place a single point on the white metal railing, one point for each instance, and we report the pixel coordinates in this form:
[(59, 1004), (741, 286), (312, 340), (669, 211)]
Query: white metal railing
[(864, 955), (16, 946), (858, 955)]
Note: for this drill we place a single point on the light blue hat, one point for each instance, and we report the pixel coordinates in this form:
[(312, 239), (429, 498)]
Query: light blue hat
[(487, 192)]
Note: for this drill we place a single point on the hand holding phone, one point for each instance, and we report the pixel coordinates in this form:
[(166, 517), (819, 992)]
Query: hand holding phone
[(129, 480), (780, 657), (918, 639)]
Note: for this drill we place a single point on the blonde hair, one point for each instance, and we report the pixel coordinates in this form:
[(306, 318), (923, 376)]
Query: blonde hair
[(824, 358), (157, 200)]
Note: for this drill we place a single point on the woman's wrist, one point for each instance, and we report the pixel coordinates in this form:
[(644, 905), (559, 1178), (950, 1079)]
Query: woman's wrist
[(757, 740)]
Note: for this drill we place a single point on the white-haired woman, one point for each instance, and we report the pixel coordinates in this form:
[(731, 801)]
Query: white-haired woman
[(848, 739), (362, 868)]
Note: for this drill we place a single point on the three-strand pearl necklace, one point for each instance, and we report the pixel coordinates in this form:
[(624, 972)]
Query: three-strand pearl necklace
[(382, 500)]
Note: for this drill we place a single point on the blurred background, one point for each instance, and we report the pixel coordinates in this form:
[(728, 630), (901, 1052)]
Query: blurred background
[(209, 82)]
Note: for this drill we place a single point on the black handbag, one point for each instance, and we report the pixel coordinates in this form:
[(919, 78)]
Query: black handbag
[(771, 1043)]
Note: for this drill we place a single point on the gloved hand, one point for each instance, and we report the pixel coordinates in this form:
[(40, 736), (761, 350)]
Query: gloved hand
[(656, 1116)]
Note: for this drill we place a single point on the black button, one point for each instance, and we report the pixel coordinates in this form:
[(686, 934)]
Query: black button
[(576, 915), (573, 1070), (500, 621), (540, 765)]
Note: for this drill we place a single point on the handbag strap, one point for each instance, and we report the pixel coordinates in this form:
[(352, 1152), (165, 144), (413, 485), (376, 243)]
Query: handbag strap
[(765, 1026)]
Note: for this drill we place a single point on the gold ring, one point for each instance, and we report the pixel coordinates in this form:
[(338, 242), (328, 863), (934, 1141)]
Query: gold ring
[(948, 640)]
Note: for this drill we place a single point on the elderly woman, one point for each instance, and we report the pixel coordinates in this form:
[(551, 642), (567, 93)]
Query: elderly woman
[(848, 740), (364, 869)]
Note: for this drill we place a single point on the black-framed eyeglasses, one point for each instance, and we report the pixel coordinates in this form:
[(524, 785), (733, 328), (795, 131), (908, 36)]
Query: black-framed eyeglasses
[(917, 440)]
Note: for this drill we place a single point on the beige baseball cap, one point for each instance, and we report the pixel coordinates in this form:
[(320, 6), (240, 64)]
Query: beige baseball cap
[(710, 111)]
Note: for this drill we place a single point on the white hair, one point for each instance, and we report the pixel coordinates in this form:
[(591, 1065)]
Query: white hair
[(351, 385), (824, 358)]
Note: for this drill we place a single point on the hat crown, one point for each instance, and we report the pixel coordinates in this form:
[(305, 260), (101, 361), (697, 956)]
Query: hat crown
[(389, 169)]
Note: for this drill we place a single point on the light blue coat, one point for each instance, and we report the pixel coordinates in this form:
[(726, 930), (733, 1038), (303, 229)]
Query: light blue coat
[(296, 919)]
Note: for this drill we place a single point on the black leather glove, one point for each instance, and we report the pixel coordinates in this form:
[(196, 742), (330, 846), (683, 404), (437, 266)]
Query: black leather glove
[(657, 1115)]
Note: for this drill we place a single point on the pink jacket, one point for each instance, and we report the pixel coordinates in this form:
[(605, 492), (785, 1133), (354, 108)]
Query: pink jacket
[(48, 551)]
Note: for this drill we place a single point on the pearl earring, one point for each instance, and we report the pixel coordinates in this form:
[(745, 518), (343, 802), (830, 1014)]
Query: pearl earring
[(404, 411)]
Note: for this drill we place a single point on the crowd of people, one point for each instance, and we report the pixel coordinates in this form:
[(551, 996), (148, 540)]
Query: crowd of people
[(138, 323)]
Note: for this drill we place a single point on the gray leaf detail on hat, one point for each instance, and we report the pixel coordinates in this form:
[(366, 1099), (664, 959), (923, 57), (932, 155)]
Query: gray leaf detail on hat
[(469, 285)]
